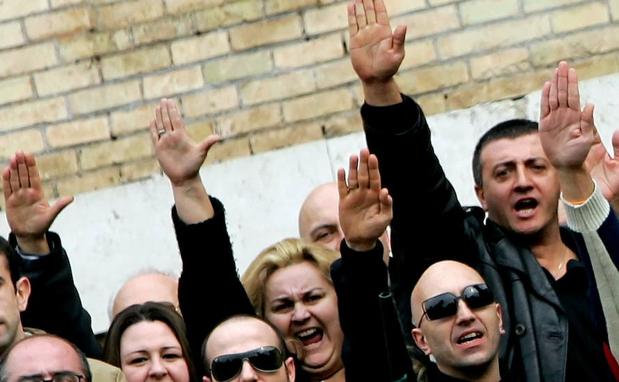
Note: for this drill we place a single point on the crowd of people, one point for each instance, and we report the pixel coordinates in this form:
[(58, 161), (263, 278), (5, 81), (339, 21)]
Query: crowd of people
[(501, 292)]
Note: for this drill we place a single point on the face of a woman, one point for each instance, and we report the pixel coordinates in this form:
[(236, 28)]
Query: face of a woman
[(302, 304), (149, 351)]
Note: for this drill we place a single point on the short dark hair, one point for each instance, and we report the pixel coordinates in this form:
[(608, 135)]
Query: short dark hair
[(12, 260), (243, 317), (149, 311), (83, 360), (510, 129)]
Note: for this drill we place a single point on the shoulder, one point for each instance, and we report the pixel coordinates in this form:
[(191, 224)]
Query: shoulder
[(103, 372)]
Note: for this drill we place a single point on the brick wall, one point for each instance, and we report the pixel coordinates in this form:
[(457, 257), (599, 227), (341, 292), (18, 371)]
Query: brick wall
[(79, 78)]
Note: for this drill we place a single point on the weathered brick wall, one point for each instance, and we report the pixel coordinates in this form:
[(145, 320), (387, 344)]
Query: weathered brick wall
[(79, 78)]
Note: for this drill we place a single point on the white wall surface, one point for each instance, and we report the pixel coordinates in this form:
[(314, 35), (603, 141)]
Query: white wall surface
[(111, 234)]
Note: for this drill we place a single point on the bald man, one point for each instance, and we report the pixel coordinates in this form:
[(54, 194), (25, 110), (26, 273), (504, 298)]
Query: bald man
[(253, 346), (146, 286), (319, 219), (45, 356), (457, 322)]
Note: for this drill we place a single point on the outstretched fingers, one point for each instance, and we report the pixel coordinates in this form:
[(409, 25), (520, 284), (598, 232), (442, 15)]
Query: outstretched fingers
[(14, 174), (382, 17), (165, 115), (34, 177), (353, 28), (553, 100), (545, 100), (342, 189), (6, 184), (360, 14), (363, 176), (573, 94), (22, 170), (562, 84), (370, 12), (374, 173), (353, 181)]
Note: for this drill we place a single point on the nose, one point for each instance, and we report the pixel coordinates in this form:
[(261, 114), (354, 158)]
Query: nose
[(464, 315), (523, 182), (300, 313), (247, 372), (157, 370)]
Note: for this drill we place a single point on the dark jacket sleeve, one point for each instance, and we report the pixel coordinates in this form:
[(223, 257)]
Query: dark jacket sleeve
[(209, 289), (428, 220), (369, 320), (54, 304)]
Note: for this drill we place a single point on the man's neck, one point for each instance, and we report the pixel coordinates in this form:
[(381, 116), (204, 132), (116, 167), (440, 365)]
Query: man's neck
[(483, 373)]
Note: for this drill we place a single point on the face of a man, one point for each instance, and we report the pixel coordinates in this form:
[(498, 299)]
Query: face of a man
[(464, 341), (147, 287), (520, 187), (241, 335), (319, 218), (42, 356), (12, 302)]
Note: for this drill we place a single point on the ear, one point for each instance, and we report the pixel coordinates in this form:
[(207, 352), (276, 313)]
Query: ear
[(22, 293), (420, 340), (479, 191), (499, 313), (206, 379), (290, 370)]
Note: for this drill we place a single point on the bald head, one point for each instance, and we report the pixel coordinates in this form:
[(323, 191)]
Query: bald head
[(43, 355), (319, 217), (441, 277), (152, 286)]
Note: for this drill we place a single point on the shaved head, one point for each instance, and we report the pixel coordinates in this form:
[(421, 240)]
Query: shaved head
[(148, 286), (319, 217), (441, 277)]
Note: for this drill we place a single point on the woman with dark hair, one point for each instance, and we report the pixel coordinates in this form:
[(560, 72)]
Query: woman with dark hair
[(147, 340)]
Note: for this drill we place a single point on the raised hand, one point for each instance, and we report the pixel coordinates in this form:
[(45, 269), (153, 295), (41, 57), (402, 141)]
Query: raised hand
[(27, 211), (566, 132), (375, 51), (179, 158), (365, 208)]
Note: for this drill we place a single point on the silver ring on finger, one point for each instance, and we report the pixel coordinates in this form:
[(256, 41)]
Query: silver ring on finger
[(161, 132)]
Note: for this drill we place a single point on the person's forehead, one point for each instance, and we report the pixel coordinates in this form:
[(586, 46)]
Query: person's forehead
[(42, 355), (448, 279), (321, 208), (512, 149), (149, 287), (240, 335), (299, 277)]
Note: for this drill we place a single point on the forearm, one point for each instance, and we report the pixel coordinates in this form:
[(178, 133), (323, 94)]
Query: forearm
[(192, 201), (55, 305)]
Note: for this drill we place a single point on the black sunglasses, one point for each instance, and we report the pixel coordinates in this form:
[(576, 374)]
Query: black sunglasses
[(446, 304), (267, 359)]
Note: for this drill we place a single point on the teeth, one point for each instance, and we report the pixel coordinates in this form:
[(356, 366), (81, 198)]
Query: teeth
[(307, 333), (470, 336)]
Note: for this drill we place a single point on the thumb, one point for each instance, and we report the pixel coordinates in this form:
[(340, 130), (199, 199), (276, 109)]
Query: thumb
[(208, 142), (587, 118), (399, 36), (58, 206)]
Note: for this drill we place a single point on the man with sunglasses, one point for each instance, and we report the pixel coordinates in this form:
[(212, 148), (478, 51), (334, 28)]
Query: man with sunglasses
[(458, 323), (551, 282), (44, 358), (247, 348)]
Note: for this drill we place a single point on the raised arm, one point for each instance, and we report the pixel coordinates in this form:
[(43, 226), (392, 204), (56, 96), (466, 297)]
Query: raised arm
[(426, 209), (209, 289), (360, 278), (54, 305)]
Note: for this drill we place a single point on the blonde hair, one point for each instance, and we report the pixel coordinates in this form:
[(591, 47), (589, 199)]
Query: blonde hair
[(281, 255)]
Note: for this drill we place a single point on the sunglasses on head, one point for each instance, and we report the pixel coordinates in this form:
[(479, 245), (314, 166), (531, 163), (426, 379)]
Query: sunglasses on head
[(267, 359), (446, 304)]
